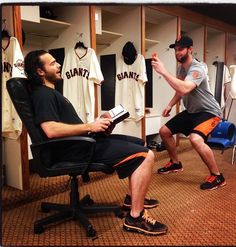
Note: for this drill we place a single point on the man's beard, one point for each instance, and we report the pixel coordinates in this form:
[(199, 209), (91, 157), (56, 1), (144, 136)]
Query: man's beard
[(183, 59), (52, 78)]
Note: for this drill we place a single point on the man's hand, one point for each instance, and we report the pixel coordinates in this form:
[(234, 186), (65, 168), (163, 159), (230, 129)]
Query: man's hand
[(100, 125), (158, 65), (111, 126), (105, 115), (154, 56), (166, 111)]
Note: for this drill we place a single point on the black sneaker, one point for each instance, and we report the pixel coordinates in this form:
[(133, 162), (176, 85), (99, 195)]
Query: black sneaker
[(144, 224), (170, 167), (160, 147), (213, 182), (148, 203)]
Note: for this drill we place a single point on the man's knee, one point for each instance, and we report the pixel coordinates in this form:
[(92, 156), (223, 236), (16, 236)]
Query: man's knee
[(196, 140), (164, 132), (150, 157), (147, 165)]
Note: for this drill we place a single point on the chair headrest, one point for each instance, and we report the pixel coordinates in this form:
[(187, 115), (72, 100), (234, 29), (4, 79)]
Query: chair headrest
[(19, 92)]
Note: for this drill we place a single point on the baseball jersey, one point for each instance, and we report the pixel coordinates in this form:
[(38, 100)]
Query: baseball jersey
[(212, 81), (200, 99), (79, 73), (130, 83), (206, 69), (12, 66), (233, 82)]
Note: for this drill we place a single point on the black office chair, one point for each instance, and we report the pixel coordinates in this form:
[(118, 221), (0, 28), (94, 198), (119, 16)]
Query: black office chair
[(43, 154)]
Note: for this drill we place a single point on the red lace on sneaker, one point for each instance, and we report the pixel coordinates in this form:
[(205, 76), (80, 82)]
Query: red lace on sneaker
[(211, 178), (168, 164)]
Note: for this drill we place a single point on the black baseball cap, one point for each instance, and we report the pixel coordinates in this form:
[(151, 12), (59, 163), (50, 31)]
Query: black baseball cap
[(183, 42)]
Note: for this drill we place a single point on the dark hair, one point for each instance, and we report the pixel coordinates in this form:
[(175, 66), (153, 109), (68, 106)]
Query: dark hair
[(31, 63), (129, 53)]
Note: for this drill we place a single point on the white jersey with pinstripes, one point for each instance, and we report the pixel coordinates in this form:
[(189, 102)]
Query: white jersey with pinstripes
[(12, 66), (226, 78), (130, 83), (79, 73)]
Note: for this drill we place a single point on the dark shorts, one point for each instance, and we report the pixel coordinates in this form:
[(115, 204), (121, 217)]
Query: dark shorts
[(186, 123), (124, 153)]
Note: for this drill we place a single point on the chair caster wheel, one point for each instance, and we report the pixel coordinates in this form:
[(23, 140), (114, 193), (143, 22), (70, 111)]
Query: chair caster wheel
[(38, 229), (87, 200), (44, 208), (91, 232), (90, 202)]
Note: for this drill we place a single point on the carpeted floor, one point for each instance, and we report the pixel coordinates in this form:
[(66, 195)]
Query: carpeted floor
[(194, 217)]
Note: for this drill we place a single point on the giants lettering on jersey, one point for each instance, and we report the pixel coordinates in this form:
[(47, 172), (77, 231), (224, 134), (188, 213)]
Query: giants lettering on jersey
[(131, 75), (77, 72)]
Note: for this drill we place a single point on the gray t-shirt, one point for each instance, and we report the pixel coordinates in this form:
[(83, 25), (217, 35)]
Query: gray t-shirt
[(199, 99)]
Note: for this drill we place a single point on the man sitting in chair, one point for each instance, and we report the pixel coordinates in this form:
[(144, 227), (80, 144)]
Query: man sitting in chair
[(125, 154)]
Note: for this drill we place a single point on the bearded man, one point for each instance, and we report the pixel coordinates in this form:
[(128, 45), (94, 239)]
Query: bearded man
[(201, 115)]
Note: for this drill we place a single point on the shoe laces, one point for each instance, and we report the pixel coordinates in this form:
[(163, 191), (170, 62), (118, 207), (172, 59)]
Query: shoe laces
[(147, 218), (211, 178)]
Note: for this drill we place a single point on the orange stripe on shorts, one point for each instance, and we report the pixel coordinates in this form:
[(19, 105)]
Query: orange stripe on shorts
[(141, 154), (207, 126)]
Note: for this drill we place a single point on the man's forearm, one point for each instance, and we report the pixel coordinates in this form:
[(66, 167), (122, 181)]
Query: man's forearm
[(174, 100), (56, 129), (178, 85)]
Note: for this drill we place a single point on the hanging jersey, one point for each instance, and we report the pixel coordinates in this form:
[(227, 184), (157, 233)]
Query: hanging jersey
[(130, 83), (12, 66), (212, 81), (79, 73), (206, 70), (233, 82)]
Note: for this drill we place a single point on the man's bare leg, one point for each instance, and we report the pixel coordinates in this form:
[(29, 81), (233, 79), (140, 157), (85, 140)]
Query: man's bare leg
[(139, 182), (169, 143), (205, 153)]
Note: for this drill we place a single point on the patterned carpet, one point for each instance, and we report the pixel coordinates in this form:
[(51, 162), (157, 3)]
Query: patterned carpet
[(194, 217)]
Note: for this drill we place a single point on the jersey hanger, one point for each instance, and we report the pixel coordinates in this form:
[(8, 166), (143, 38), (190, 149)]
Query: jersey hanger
[(5, 34), (80, 45)]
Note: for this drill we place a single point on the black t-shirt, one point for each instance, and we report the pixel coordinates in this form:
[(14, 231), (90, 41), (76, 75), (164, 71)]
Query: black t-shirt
[(51, 105)]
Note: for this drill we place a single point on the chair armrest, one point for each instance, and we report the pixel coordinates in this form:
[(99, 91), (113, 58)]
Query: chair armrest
[(44, 150), (65, 139)]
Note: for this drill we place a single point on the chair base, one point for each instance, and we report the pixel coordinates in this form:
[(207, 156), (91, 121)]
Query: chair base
[(76, 210)]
